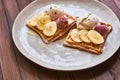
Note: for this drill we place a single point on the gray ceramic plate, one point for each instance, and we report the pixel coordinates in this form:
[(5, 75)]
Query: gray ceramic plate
[(55, 55)]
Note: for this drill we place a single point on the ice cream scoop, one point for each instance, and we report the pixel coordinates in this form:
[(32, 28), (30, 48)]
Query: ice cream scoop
[(88, 22), (54, 11)]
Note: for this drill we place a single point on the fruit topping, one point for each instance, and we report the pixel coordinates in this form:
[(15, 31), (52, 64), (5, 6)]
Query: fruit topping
[(69, 39), (83, 36), (75, 35), (50, 28), (95, 37), (62, 22), (102, 29), (33, 21), (42, 21)]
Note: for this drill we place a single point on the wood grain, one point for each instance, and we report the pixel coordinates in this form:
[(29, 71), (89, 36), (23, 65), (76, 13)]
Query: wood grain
[(46, 74), (112, 4), (14, 66), (101, 71), (115, 67), (22, 4), (84, 75), (117, 2), (8, 60), (27, 69), (12, 10), (1, 75), (64, 75)]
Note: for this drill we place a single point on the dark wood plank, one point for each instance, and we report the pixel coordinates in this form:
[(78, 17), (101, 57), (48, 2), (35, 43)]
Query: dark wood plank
[(32, 0), (84, 75), (27, 69), (113, 4), (117, 2), (1, 75), (12, 10), (109, 69), (114, 65), (114, 62), (22, 4), (102, 72), (31, 71), (63, 75), (46, 74), (8, 61)]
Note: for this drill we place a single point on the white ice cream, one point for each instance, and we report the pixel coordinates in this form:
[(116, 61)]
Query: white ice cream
[(54, 11), (88, 22)]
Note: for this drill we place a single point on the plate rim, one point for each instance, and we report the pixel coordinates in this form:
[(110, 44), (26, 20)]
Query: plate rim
[(22, 51)]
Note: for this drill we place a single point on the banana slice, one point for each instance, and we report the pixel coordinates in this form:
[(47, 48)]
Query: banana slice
[(42, 21), (83, 36), (69, 39), (33, 21), (75, 35), (95, 37), (50, 28)]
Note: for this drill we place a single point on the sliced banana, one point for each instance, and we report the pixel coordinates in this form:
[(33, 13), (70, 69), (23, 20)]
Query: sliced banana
[(33, 21), (42, 21), (69, 39), (75, 35), (50, 28), (83, 36), (95, 37)]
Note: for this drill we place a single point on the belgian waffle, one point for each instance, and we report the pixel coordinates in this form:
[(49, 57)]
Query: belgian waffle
[(90, 47), (59, 32)]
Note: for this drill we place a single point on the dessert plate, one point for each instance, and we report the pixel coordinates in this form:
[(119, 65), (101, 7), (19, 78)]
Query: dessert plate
[(55, 55)]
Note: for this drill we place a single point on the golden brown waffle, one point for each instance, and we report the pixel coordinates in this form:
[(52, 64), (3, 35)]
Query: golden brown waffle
[(90, 47), (57, 35)]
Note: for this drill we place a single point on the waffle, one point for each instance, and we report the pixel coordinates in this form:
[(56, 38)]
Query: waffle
[(89, 47), (59, 33)]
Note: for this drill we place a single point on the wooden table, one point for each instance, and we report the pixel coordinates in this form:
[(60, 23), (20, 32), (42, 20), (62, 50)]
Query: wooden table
[(14, 66)]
